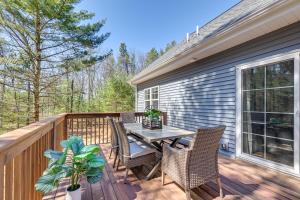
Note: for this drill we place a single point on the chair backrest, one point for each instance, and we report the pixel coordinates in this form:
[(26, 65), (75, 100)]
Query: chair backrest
[(128, 117), (203, 158), (123, 141), (113, 130)]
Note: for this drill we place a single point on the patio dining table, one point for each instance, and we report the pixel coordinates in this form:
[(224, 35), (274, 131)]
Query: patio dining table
[(155, 137)]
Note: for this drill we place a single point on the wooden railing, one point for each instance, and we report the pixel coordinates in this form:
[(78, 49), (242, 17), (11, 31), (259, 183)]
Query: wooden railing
[(21, 151), (93, 127), (21, 157)]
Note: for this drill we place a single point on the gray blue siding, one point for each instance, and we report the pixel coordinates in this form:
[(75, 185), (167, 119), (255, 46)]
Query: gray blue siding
[(204, 93)]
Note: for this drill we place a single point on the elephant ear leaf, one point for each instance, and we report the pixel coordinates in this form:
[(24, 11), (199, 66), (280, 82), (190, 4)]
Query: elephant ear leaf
[(96, 162), (84, 156), (94, 179), (51, 154), (95, 171), (64, 143), (46, 183), (90, 149), (75, 144)]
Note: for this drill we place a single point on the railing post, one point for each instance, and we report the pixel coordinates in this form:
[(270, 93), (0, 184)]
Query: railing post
[(55, 137), (165, 118), (65, 129)]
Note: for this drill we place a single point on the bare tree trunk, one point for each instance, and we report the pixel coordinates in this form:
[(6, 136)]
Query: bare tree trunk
[(68, 92), (37, 67), (81, 94), (28, 104), (72, 94), (17, 109), (3, 89)]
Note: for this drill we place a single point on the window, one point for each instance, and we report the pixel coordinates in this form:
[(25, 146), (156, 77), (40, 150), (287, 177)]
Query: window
[(267, 114), (152, 97), (268, 109)]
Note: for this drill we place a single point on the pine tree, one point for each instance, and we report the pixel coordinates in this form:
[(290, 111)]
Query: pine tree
[(47, 34), (123, 59), (151, 56)]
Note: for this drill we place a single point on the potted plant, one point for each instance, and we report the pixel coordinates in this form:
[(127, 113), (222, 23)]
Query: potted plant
[(153, 114), (76, 161), (152, 120)]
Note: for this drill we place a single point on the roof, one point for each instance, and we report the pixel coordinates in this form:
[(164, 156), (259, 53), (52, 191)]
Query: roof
[(233, 16)]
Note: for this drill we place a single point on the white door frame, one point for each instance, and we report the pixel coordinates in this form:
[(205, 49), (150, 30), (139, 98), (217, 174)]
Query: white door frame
[(281, 57)]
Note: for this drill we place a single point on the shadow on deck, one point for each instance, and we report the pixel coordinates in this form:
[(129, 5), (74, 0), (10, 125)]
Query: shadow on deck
[(240, 180)]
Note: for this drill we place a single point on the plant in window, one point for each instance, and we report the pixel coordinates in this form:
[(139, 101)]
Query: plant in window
[(76, 161)]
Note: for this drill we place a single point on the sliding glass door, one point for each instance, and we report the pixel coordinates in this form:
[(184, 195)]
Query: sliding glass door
[(268, 112)]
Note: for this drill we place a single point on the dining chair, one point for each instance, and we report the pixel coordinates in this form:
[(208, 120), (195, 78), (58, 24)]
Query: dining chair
[(133, 154), (114, 140), (127, 117), (114, 148), (196, 165)]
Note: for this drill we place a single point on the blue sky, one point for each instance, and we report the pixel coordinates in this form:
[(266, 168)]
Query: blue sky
[(143, 24)]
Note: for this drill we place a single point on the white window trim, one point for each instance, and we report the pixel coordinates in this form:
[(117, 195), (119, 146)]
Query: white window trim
[(150, 100), (278, 58)]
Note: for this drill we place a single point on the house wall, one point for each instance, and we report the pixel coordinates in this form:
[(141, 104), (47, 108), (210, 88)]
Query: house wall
[(204, 93)]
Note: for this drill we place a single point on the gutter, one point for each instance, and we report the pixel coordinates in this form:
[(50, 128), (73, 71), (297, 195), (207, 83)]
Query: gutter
[(260, 23)]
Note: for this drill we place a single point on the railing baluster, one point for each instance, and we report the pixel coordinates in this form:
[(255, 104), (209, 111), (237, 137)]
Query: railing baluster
[(99, 133), (86, 130), (8, 180), (2, 189), (106, 124), (17, 177), (95, 127), (102, 129), (77, 126)]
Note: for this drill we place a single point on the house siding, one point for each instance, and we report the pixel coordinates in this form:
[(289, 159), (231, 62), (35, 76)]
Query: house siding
[(204, 93)]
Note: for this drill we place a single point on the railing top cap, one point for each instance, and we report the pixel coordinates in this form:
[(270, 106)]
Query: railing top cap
[(14, 137)]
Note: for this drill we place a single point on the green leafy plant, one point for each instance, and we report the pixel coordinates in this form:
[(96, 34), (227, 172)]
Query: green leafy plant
[(75, 161), (153, 113)]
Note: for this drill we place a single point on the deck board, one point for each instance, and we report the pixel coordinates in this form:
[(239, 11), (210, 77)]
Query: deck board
[(240, 180)]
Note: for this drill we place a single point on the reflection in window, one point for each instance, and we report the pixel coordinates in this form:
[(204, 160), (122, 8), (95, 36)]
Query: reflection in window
[(253, 145), (280, 100), (268, 112), (281, 151)]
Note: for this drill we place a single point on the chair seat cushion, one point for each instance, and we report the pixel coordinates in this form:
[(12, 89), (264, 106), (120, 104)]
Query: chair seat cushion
[(185, 141), (138, 149), (131, 139)]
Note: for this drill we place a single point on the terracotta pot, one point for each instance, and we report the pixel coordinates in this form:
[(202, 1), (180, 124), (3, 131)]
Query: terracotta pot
[(73, 195)]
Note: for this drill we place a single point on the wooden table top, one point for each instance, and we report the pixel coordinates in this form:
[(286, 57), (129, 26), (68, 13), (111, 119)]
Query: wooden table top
[(167, 132)]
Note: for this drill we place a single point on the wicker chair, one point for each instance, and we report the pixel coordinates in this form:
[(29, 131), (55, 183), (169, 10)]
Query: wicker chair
[(133, 154), (196, 165), (128, 117), (114, 140)]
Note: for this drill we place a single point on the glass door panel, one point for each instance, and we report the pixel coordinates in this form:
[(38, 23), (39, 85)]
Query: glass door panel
[(268, 112)]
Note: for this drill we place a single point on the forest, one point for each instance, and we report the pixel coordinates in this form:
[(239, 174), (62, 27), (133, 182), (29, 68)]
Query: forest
[(51, 61)]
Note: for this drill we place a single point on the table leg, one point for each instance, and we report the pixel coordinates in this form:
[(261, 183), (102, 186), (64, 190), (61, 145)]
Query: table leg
[(158, 164), (174, 142), (154, 170), (157, 146)]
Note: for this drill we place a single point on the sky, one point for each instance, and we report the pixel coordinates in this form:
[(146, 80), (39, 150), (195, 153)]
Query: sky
[(144, 24)]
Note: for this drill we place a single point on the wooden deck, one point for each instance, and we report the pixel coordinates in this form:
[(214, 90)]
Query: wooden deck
[(240, 179)]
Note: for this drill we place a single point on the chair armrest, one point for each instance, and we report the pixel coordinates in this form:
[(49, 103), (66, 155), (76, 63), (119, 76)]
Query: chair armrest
[(174, 163)]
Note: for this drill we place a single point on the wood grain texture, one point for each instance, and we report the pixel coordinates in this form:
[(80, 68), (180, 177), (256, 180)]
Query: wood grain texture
[(21, 151), (21, 157), (240, 179)]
